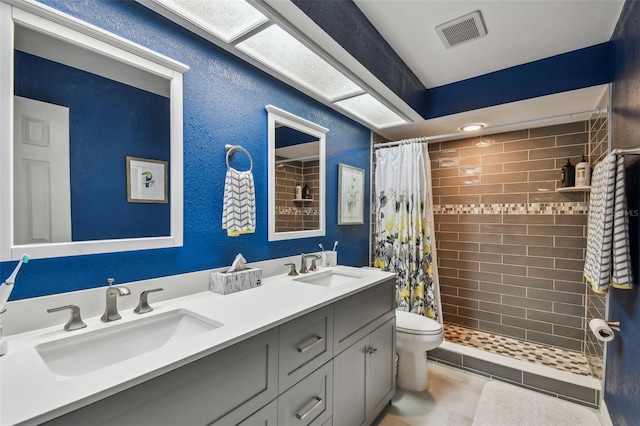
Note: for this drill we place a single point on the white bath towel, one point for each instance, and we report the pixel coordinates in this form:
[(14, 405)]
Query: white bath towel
[(239, 203), (608, 261)]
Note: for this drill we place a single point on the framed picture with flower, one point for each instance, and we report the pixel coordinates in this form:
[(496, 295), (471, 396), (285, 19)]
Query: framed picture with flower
[(147, 180), (350, 195)]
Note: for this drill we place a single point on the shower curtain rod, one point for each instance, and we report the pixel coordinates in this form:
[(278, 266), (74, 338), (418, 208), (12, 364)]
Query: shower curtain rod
[(627, 151), (500, 127)]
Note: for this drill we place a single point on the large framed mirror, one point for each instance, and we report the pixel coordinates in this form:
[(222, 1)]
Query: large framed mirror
[(296, 176), (76, 102)]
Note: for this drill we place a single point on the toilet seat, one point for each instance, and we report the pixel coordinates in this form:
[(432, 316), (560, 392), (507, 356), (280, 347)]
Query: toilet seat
[(407, 322)]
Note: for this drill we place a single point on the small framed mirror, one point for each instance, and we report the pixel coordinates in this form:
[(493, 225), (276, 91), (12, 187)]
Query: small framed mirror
[(296, 176)]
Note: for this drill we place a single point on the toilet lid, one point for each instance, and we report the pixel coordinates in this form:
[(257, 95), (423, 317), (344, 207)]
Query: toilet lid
[(408, 322)]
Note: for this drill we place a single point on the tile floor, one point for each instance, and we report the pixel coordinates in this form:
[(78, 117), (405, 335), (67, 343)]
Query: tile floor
[(550, 356), (451, 400)]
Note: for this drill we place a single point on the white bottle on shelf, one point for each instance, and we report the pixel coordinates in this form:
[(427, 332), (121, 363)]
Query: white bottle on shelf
[(583, 173)]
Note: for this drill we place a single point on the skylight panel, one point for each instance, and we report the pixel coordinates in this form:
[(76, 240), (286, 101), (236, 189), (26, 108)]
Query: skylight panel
[(225, 19), (280, 51), (369, 109)]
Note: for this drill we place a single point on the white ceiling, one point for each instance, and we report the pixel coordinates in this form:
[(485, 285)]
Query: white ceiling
[(519, 31)]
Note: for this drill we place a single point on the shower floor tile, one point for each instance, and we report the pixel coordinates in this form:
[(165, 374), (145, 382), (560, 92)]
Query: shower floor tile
[(561, 359)]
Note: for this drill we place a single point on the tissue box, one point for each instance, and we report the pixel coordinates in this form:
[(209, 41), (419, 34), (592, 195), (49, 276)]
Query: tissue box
[(230, 282)]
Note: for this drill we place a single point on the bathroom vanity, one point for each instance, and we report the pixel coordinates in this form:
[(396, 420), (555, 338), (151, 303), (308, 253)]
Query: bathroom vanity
[(288, 352)]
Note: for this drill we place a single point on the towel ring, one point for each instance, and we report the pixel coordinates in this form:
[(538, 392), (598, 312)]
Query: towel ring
[(230, 150)]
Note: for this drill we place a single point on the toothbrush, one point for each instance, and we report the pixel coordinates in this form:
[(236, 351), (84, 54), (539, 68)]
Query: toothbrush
[(7, 286), (335, 245), (321, 247)]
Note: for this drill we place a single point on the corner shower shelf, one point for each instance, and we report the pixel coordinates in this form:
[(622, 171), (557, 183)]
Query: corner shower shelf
[(574, 189), (303, 199)]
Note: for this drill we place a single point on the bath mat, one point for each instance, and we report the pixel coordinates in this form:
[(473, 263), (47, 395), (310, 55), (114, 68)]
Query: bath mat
[(502, 404)]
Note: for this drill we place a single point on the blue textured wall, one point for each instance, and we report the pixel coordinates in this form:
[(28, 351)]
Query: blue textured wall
[(224, 100), (622, 379), (107, 122)]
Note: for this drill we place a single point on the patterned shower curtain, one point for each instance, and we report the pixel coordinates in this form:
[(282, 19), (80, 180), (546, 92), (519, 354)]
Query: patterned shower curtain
[(404, 235)]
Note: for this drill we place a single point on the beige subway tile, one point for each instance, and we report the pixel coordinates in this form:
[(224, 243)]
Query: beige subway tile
[(460, 283), (458, 264), (480, 276), (479, 257), (442, 173), (504, 178), (558, 129), (573, 139), (503, 229), (528, 240), (462, 246), (447, 272), (445, 190), (455, 227), (560, 252), (460, 301), (528, 218), (528, 282), (481, 218), (459, 143), (480, 238), (433, 146), (571, 264), (491, 327), (556, 230), (533, 165), (571, 219), (570, 286), (507, 157), (503, 248), (479, 295), (447, 254), (530, 187), (481, 315), (481, 150), (541, 262), (503, 269), (544, 175), (528, 324), (555, 274), (481, 189), (459, 199), (510, 290), (530, 304), (503, 198), (559, 197), (445, 218), (503, 309), (569, 151), (576, 242), (525, 145), (444, 154), (508, 136), (446, 236), (481, 169)]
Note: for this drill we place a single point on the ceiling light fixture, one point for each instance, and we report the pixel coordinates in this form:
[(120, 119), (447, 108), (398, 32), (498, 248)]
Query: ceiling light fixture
[(472, 127)]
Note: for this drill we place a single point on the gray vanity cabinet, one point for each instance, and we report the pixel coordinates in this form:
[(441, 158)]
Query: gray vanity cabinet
[(364, 381), (221, 389), (337, 358)]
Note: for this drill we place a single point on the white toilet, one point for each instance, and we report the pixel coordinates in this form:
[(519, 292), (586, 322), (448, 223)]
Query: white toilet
[(415, 335)]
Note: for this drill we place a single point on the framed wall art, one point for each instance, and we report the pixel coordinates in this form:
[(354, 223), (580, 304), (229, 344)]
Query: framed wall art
[(350, 195), (147, 180)]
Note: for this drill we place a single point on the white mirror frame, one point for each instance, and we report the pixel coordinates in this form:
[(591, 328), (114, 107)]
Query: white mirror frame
[(277, 116), (41, 18)]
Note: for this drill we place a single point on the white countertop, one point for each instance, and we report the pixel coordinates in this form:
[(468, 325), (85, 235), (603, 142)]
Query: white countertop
[(31, 394)]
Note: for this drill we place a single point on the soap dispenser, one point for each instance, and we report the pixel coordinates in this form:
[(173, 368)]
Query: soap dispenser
[(583, 173), (298, 195), (568, 174)]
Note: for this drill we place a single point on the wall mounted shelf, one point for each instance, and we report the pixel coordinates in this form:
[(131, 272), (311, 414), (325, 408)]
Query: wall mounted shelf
[(303, 199)]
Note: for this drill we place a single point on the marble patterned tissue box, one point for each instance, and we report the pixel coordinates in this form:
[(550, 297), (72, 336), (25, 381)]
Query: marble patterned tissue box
[(231, 282)]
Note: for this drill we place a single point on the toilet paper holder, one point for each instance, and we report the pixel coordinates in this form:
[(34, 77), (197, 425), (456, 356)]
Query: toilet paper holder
[(615, 325)]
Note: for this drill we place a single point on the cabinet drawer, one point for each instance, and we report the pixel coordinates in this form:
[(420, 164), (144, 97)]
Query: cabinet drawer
[(221, 389), (309, 402), (306, 343), (358, 315)]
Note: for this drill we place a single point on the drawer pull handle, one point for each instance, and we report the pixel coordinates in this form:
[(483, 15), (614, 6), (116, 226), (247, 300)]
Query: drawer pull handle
[(312, 342), (316, 403), (372, 351)]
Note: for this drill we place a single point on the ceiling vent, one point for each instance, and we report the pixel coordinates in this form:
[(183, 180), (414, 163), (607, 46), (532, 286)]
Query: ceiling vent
[(461, 30)]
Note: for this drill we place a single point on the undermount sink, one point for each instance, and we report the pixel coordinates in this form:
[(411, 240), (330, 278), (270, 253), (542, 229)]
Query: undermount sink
[(81, 354), (330, 279)]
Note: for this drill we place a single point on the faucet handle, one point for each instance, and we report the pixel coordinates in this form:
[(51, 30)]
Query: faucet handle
[(143, 303), (75, 322), (314, 267), (292, 271)]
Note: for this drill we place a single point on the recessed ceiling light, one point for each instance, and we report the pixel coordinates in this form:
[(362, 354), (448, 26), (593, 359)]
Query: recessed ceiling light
[(472, 127)]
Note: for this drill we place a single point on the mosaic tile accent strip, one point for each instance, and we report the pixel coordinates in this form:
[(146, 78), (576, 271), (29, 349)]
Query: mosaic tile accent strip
[(561, 359), (513, 208), (313, 211)]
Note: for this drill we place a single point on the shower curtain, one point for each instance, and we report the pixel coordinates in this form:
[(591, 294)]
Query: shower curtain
[(404, 232)]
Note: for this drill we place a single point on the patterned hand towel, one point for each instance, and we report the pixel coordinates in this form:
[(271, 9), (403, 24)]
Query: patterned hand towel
[(608, 261), (239, 203)]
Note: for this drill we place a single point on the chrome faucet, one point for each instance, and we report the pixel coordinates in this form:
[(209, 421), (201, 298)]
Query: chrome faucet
[(303, 263), (111, 308)]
